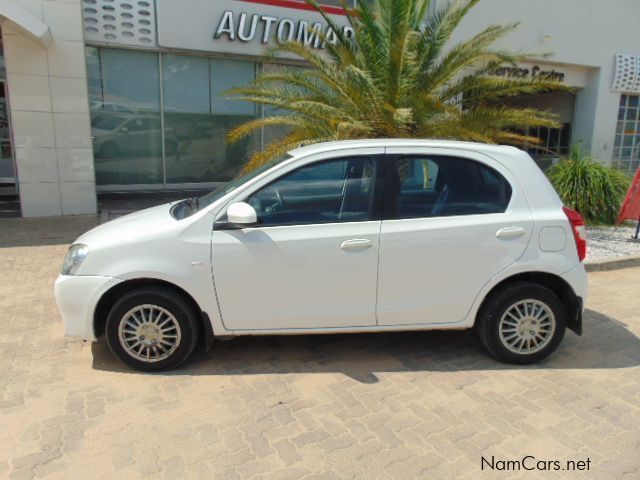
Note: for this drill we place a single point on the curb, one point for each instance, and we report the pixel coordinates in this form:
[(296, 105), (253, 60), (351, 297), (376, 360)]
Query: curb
[(612, 264)]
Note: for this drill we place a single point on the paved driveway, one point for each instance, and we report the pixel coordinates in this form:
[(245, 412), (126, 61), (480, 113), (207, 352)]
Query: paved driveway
[(395, 406)]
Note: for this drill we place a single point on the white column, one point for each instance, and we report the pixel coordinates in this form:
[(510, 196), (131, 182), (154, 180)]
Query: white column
[(50, 112)]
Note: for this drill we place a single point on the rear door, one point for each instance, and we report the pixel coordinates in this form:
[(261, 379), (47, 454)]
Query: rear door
[(452, 220)]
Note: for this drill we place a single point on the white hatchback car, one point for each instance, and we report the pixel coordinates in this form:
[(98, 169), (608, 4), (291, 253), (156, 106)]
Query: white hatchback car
[(354, 236)]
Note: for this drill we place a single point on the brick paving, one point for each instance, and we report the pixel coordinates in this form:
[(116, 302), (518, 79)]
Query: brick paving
[(387, 406)]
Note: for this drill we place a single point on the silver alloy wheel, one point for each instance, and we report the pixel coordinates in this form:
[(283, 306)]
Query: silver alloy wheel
[(149, 333), (527, 326)]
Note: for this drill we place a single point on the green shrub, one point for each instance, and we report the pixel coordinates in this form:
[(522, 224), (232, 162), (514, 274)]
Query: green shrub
[(593, 189)]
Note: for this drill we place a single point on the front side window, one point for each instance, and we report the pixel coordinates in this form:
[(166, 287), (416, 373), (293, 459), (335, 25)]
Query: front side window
[(326, 192), (420, 187)]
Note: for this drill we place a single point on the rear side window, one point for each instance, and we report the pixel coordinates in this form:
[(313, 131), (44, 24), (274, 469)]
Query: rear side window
[(441, 186)]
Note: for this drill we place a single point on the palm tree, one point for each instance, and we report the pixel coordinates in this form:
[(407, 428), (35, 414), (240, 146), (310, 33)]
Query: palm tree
[(397, 77)]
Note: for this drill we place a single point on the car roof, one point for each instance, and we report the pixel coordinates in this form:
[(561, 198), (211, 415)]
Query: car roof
[(400, 142)]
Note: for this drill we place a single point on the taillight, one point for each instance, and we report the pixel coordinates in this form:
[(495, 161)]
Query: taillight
[(579, 231)]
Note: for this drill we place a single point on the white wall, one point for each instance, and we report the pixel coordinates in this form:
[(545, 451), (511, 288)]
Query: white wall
[(586, 33), (50, 112)]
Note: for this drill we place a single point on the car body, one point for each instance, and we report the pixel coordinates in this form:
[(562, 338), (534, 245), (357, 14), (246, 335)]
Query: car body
[(352, 236)]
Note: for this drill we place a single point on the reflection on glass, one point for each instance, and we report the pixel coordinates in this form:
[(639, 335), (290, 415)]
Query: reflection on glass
[(129, 121), (328, 192), (199, 118), (126, 126)]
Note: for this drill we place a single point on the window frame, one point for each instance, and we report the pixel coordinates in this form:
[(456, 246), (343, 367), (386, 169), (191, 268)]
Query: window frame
[(389, 212), (378, 160)]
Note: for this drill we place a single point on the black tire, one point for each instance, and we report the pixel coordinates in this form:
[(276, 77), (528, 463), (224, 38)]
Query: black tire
[(489, 318), (174, 303)]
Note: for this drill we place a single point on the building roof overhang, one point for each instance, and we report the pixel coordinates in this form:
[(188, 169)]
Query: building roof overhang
[(25, 22)]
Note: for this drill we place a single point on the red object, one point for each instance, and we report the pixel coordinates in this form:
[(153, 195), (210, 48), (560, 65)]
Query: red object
[(579, 231), (300, 5), (630, 209)]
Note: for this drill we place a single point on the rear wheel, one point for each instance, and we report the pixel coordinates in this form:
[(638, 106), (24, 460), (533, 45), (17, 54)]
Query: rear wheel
[(522, 323), (152, 329)]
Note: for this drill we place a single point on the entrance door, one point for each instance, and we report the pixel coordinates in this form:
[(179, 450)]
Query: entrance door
[(312, 262)]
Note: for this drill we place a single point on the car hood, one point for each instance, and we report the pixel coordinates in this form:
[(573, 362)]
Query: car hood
[(130, 227)]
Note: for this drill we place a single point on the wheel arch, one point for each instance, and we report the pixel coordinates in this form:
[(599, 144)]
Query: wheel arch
[(108, 299), (572, 303)]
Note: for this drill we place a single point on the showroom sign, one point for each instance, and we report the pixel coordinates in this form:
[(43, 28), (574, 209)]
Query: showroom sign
[(266, 28), (243, 27)]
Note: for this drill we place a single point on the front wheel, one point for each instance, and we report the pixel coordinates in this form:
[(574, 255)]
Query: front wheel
[(152, 329), (522, 323)]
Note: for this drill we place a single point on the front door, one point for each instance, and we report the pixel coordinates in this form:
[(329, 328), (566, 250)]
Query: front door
[(312, 262), (450, 224)]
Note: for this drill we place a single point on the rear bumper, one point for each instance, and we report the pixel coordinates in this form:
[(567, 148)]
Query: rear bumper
[(77, 297), (577, 278)]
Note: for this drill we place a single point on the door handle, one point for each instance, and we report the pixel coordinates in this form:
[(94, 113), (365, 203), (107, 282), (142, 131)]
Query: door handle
[(355, 244), (510, 232)]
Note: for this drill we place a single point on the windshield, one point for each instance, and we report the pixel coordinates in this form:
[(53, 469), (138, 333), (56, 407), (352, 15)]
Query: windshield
[(221, 191)]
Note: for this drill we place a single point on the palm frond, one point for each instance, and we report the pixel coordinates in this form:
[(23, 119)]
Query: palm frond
[(398, 76)]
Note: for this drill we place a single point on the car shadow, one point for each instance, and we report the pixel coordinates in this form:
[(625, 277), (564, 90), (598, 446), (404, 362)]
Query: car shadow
[(606, 343)]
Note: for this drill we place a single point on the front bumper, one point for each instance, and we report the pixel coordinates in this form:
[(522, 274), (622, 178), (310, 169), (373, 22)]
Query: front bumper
[(77, 297)]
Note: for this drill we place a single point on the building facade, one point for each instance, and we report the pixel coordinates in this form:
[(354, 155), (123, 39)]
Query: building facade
[(128, 95)]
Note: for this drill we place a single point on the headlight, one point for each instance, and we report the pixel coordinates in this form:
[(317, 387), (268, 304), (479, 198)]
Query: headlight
[(75, 256)]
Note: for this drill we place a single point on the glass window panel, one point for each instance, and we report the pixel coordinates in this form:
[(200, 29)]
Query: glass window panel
[(7, 171), (628, 141), (227, 74), (327, 192), (126, 124), (5, 133), (460, 187), (630, 127), (554, 139), (196, 150), (633, 100), (565, 137), (271, 134), (3, 72), (186, 83), (94, 78), (131, 79), (618, 140), (621, 111)]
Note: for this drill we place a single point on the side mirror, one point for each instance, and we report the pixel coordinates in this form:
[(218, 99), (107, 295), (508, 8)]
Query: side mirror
[(241, 214)]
